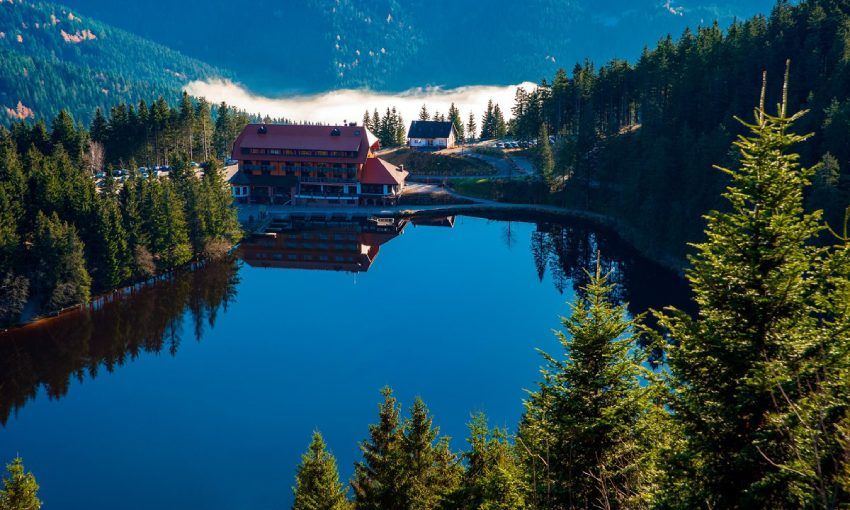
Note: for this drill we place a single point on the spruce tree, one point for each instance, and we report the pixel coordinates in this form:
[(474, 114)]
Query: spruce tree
[(471, 127), (745, 368), (494, 477), (454, 118), (425, 484), (317, 485), (20, 489), (545, 157), (60, 275), (376, 122), (377, 477), (590, 431), (423, 113), (109, 253)]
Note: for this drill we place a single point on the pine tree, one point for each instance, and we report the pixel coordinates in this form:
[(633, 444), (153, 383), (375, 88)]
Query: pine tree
[(165, 224), (494, 477), (60, 275), (187, 123), (376, 122), (401, 131), (745, 367), (423, 113), (109, 253), (317, 485), (20, 489), (454, 118), (97, 130), (590, 431), (422, 486), (545, 159), (63, 132), (221, 133), (377, 477), (471, 127), (367, 121), (500, 127), (488, 125)]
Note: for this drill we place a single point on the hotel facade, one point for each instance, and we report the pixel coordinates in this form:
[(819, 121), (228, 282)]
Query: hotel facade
[(322, 165)]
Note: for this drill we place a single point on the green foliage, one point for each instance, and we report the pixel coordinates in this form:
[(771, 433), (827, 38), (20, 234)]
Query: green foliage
[(591, 431), (494, 478), (405, 463), (545, 160), (317, 485), (457, 122), (377, 477), (68, 237), (64, 61), (20, 490), (493, 122), (755, 377), (59, 276), (390, 128), (640, 139)]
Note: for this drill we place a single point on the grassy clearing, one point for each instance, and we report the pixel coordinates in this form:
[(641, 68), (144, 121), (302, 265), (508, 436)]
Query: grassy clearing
[(428, 163)]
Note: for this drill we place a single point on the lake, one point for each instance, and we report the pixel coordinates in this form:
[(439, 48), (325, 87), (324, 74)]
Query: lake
[(203, 391)]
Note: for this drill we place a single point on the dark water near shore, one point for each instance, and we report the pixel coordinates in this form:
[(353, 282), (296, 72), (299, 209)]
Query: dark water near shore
[(202, 392)]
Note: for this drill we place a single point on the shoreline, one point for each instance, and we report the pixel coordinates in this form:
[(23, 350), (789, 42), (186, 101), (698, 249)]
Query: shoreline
[(478, 207)]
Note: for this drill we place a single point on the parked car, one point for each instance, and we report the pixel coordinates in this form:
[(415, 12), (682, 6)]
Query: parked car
[(500, 145), (195, 164), (229, 162), (100, 175), (118, 172)]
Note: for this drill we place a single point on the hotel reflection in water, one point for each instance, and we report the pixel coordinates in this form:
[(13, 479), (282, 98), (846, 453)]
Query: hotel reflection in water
[(346, 245)]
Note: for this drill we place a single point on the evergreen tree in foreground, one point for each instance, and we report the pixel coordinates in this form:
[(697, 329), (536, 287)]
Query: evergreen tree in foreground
[(759, 377), (317, 485), (494, 478), (590, 432), (377, 476), (20, 490), (406, 465)]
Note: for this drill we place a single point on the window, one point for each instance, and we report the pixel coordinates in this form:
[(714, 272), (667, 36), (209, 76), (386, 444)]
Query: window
[(275, 152)]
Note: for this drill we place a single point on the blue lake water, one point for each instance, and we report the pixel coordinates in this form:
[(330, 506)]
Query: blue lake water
[(202, 392)]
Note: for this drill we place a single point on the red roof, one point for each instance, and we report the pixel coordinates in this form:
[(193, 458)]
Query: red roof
[(378, 171), (300, 137)]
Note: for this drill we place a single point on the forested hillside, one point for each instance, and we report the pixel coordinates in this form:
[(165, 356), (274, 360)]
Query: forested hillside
[(398, 44), (638, 141), (65, 235), (51, 59)]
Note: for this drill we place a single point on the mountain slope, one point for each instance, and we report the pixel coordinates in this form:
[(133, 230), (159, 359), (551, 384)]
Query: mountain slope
[(51, 58), (314, 45)]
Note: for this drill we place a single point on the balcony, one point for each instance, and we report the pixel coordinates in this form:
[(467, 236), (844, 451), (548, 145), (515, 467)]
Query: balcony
[(351, 181)]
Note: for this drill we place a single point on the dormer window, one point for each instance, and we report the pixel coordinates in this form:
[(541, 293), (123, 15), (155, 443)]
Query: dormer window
[(335, 132)]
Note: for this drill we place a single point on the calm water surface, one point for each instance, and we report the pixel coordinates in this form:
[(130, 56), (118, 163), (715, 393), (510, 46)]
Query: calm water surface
[(202, 392)]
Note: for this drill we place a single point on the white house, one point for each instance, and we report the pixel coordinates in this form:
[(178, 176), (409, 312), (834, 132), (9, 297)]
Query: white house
[(431, 134)]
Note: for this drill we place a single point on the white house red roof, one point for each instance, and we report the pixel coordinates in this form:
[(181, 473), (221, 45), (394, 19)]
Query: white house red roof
[(378, 171)]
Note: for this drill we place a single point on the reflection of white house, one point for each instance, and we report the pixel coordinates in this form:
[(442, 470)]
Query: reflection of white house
[(431, 134)]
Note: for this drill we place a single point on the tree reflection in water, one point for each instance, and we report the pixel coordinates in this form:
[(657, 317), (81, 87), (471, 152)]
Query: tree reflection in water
[(80, 344)]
